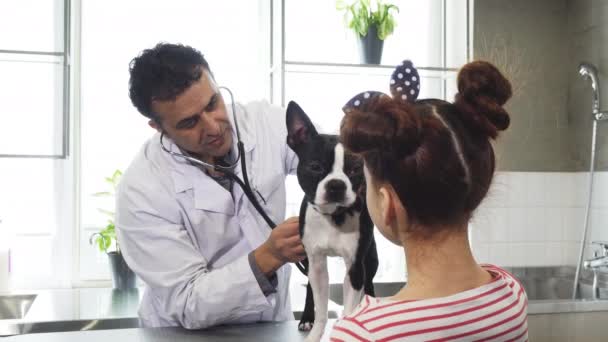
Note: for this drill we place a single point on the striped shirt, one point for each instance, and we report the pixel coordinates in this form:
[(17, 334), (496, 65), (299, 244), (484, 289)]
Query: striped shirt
[(496, 311)]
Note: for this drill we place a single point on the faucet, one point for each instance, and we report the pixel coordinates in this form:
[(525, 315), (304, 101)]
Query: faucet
[(597, 262), (590, 72)]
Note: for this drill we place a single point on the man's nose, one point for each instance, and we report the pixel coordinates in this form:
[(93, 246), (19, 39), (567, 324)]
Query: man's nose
[(209, 125)]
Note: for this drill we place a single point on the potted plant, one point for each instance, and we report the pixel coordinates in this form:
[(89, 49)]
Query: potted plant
[(371, 26), (122, 276)]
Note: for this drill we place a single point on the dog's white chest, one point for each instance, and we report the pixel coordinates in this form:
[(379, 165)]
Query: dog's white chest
[(323, 237)]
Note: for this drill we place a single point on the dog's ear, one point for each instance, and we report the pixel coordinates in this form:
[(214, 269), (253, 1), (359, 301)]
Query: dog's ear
[(299, 127)]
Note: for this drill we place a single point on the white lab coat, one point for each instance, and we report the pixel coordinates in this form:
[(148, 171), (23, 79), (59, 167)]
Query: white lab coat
[(188, 239)]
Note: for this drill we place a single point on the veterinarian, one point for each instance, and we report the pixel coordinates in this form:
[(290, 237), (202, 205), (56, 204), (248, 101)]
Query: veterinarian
[(204, 253)]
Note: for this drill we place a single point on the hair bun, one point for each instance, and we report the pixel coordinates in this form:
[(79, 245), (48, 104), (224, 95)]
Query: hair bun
[(482, 91), (386, 125)]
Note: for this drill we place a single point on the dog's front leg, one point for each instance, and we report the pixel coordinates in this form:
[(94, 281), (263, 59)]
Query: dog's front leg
[(308, 315), (319, 281)]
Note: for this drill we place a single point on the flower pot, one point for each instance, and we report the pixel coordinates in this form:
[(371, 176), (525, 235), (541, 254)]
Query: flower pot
[(370, 46), (122, 276)]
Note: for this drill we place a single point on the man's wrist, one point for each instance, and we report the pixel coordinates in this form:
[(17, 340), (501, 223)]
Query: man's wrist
[(266, 261), (268, 285)]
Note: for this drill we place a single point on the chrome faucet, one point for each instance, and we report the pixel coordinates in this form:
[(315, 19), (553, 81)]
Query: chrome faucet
[(596, 263), (590, 72)]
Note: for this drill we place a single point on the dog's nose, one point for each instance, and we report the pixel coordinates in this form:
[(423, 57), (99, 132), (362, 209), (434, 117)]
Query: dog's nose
[(335, 190)]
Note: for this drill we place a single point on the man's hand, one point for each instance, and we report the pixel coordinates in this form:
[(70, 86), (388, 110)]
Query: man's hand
[(283, 246)]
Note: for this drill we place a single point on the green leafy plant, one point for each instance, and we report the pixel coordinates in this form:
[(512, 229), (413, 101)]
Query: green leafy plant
[(104, 238), (359, 16)]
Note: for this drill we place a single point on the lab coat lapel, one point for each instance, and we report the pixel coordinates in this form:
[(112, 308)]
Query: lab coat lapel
[(208, 194), (211, 196), (248, 138), (253, 226)]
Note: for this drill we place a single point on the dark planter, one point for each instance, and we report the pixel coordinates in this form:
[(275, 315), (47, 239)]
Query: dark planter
[(122, 276), (370, 46)]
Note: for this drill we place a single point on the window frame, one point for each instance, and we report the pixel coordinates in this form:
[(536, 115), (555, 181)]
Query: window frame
[(280, 65), (66, 57)]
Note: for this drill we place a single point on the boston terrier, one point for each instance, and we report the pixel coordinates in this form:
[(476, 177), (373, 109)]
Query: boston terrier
[(333, 219)]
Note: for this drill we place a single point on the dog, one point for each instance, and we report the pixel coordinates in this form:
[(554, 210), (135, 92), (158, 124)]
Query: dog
[(334, 220)]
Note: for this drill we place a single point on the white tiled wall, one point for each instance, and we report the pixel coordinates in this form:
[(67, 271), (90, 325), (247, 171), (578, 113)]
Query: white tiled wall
[(527, 219), (537, 218)]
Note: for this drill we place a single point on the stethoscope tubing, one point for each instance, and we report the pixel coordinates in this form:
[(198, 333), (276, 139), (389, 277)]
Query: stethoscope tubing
[(228, 171)]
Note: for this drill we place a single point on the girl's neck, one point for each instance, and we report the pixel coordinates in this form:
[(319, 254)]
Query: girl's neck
[(440, 266)]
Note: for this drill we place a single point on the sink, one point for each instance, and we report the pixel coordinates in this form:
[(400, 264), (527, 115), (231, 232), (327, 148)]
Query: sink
[(16, 306), (556, 283), (381, 290), (540, 283)]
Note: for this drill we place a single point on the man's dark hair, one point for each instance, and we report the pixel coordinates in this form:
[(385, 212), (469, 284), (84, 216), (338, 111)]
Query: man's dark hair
[(162, 73)]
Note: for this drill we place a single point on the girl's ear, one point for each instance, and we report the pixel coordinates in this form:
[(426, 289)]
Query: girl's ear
[(387, 206), (394, 214)]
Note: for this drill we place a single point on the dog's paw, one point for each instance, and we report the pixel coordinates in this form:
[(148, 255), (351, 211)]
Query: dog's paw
[(306, 321), (305, 326)]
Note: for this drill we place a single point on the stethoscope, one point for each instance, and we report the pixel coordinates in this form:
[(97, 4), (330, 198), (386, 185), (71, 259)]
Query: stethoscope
[(228, 169)]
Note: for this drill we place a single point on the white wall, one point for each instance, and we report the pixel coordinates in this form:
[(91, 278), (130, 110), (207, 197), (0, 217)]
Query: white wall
[(537, 218), (527, 219)]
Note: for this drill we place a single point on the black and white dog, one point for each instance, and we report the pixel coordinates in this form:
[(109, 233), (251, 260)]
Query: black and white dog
[(333, 219)]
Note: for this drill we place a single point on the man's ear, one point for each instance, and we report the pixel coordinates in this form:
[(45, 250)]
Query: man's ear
[(152, 123), (299, 127)]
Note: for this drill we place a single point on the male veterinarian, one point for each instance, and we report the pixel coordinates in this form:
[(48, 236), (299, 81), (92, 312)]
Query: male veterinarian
[(205, 254)]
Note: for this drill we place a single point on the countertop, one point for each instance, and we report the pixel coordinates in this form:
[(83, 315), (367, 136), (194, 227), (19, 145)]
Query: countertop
[(100, 308), (281, 331), (96, 309), (106, 303)]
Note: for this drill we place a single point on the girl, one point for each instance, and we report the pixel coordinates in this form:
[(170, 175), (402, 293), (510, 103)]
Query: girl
[(428, 165)]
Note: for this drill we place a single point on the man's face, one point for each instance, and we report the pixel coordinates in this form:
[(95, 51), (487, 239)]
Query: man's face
[(196, 120)]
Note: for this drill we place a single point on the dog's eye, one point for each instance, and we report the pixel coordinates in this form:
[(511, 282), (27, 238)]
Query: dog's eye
[(315, 167), (355, 171)]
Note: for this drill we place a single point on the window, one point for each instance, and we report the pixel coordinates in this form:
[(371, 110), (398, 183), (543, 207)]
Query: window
[(279, 50), (231, 34), (36, 206), (320, 50), (36, 60)]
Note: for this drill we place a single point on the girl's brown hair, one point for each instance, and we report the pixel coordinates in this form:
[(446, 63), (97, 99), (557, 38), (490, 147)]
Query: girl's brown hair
[(436, 155)]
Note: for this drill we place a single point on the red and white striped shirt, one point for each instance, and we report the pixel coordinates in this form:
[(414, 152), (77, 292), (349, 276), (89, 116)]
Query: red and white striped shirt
[(496, 311)]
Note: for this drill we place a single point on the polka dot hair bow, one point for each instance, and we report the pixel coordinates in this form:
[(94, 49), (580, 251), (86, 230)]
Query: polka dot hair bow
[(404, 85)]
